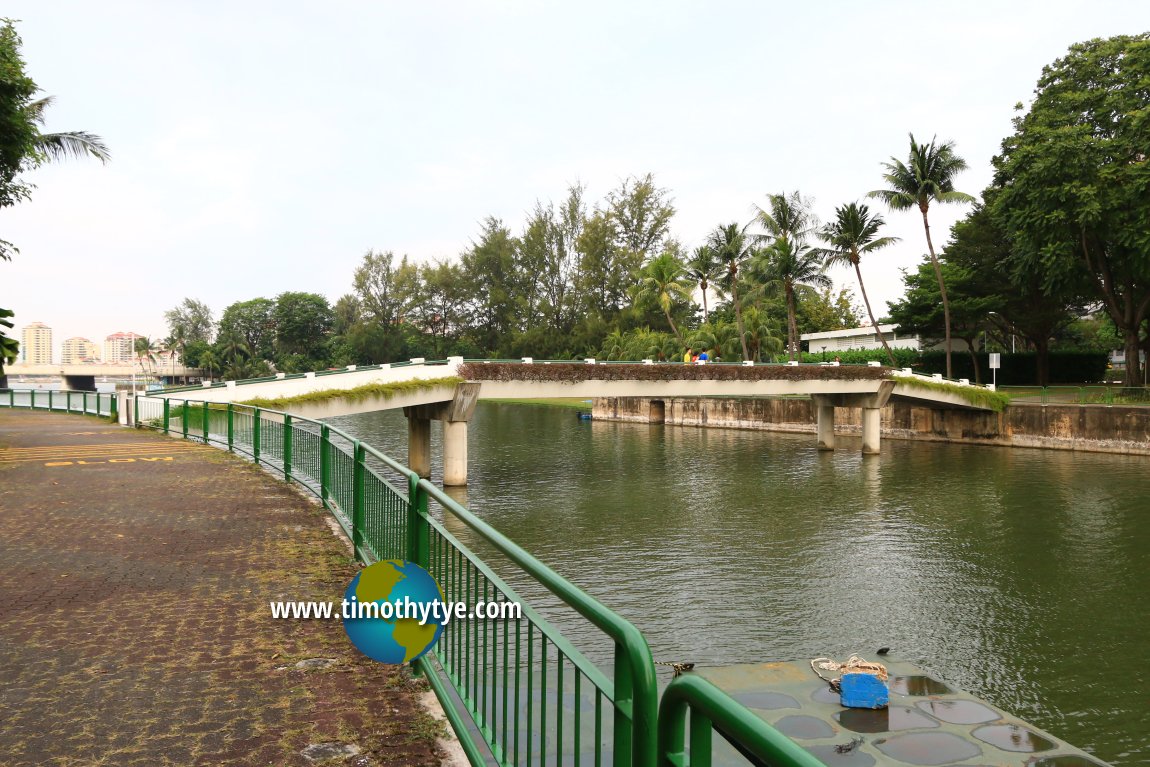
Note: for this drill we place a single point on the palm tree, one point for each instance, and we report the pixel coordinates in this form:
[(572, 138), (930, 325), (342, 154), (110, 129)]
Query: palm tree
[(732, 250), (787, 265), (761, 334), (927, 176), (787, 217), (58, 146), (704, 268), (853, 233), (663, 280)]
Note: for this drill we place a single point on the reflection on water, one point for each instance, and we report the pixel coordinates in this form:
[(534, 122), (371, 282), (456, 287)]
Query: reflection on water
[(1020, 575)]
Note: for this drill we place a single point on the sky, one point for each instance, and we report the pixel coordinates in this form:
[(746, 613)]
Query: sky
[(262, 147)]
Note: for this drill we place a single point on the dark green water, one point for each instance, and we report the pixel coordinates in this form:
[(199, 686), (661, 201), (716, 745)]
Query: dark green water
[(1020, 575)]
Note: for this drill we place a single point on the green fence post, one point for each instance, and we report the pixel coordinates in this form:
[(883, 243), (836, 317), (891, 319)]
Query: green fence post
[(135, 410), (324, 464), (11, 398), (184, 418), (32, 406), (84, 402), (113, 405), (418, 529), (256, 434), (204, 422), (231, 427), (287, 447), (167, 414), (50, 405), (358, 510), (68, 401)]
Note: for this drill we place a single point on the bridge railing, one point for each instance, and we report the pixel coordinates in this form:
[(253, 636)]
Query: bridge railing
[(711, 710), (516, 691), (1088, 394), (65, 401)]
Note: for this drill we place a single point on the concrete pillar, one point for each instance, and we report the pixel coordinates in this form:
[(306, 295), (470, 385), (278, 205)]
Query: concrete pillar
[(419, 445), (826, 415), (871, 431), (454, 453)]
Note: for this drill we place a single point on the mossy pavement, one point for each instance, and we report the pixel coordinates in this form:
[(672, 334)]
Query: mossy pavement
[(134, 619)]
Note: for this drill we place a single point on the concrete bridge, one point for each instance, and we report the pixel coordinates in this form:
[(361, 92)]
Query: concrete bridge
[(448, 390), (83, 377)]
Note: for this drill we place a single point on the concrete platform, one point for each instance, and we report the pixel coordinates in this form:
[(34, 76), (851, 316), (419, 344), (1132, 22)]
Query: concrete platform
[(928, 722)]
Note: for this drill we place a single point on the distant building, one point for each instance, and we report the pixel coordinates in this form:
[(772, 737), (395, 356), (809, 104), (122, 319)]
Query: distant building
[(860, 338), (120, 348), (833, 341), (36, 344), (78, 350)]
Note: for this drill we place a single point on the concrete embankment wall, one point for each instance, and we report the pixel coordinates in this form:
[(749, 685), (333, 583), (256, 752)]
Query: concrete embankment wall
[(1094, 428)]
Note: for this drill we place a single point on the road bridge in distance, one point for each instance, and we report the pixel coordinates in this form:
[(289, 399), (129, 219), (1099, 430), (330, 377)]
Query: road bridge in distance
[(447, 391), (82, 377)]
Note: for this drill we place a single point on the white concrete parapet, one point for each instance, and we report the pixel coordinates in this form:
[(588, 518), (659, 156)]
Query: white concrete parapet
[(351, 367), (936, 376), (528, 360), (792, 363), (964, 382), (309, 374), (589, 360), (748, 363), (418, 360), (230, 384), (648, 362), (207, 384), (281, 376), (873, 364)]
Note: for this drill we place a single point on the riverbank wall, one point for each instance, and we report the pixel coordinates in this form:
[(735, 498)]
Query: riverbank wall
[(1090, 428)]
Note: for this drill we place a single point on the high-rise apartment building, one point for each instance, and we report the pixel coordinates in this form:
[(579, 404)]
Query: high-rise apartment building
[(120, 347), (78, 351), (36, 344)]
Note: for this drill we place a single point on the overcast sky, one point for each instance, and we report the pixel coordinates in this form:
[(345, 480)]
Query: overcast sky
[(260, 147)]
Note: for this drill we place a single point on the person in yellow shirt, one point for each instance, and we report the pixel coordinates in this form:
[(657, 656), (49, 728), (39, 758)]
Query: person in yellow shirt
[(687, 357)]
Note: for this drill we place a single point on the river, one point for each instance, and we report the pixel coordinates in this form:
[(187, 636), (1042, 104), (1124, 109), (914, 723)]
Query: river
[(1020, 575)]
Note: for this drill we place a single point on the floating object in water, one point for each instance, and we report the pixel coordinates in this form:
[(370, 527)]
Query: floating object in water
[(583, 415)]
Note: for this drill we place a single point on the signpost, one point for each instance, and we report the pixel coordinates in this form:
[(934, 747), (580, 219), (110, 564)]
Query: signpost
[(995, 364)]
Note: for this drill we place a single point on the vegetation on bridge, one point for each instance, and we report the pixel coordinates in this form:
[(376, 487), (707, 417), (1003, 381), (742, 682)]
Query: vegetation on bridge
[(574, 372), (357, 394), (975, 395)]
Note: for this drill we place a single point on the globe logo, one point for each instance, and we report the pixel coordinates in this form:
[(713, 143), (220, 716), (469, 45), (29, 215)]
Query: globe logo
[(383, 608)]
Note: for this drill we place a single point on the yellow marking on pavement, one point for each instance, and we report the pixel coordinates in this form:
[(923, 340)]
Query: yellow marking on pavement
[(23, 455), (111, 460)]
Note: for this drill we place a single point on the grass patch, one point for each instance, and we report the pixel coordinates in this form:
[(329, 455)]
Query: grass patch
[(574, 403), (991, 400), (384, 390)]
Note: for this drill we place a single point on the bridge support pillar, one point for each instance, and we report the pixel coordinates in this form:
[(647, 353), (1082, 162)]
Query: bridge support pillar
[(454, 453), (419, 445), (826, 415), (871, 431)]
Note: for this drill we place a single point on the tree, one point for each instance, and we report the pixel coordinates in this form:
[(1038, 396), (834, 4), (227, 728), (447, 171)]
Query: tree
[(303, 324), (642, 213), (852, 234), (926, 177), (1072, 185), (490, 279), (376, 281), (787, 217), (9, 347), (191, 321), (820, 311), (663, 280), (23, 146), (704, 268), (252, 324), (787, 266), (1019, 304), (732, 249)]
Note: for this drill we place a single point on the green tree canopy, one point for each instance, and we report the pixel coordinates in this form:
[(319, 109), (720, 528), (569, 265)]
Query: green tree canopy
[(1072, 185)]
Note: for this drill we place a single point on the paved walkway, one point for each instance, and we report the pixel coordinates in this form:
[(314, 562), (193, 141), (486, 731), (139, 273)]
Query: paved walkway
[(135, 575)]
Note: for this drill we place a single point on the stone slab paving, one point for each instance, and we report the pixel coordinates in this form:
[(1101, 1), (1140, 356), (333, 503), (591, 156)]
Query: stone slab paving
[(135, 576)]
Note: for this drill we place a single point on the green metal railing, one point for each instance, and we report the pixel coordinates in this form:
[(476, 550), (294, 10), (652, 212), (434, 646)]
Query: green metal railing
[(516, 691), (1098, 394), (712, 710), (66, 401)]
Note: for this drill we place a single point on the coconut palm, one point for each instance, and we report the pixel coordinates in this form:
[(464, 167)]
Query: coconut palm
[(787, 217), (704, 268), (762, 334), (732, 248), (663, 280), (787, 266), (927, 176), (59, 146), (852, 234)]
